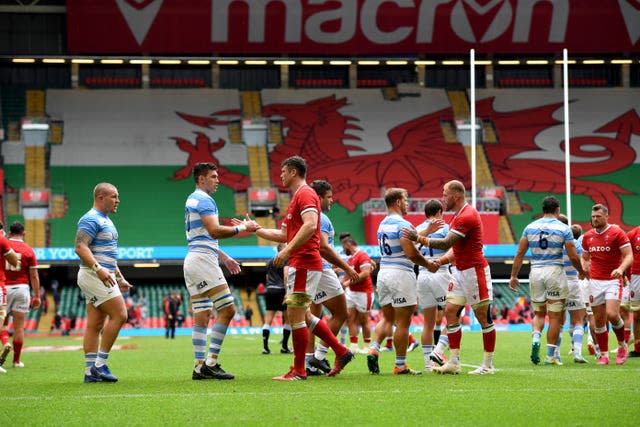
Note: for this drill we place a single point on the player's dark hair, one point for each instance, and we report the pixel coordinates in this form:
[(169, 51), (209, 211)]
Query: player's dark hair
[(576, 229), (550, 204), (600, 207), (202, 169), (392, 195), (321, 187), (16, 228), (350, 240), (344, 235), (432, 207), (297, 163)]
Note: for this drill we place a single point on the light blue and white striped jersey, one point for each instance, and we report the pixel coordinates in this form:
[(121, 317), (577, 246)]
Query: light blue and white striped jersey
[(389, 241), (326, 227), (569, 269), (431, 253), (104, 243), (546, 238), (198, 205)]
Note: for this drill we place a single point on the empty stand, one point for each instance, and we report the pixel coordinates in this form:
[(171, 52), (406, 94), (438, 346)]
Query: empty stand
[(258, 166)]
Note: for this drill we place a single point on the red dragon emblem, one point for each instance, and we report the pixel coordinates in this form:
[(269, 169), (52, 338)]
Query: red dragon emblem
[(421, 161)]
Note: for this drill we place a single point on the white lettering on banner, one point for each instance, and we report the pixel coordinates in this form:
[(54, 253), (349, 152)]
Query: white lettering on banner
[(631, 15), (257, 18), (61, 254), (135, 253), (139, 15), (347, 14)]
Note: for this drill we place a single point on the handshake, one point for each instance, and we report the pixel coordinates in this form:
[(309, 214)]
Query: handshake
[(246, 224)]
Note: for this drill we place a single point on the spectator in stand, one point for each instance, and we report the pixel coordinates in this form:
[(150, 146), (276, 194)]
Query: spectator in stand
[(170, 307), (248, 314)]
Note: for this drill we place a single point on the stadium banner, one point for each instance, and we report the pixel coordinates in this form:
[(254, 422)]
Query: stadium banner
[(351, 27), (240, 253)]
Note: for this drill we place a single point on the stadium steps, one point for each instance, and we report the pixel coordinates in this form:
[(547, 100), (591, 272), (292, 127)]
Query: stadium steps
[(274, 136), (240, 201), (234, 128), (35, 167), (46, 319), (484, 178), (283, 202), (513, 203), (36, 232), (251, 105), (459, 104), (505, 233), (265, 222), (258, 166), (35, 103), (449, 132), (390, 93), (488, 133), (251, 301)]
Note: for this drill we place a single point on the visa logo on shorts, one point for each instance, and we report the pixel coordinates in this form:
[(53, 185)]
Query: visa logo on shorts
[(201, 285), (553, 293), (400, 300), (319, 295)]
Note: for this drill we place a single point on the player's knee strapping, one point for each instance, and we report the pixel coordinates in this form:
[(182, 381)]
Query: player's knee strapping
[(222, 299), (538, 306), (298, 300), (201, 304), (556, 307)]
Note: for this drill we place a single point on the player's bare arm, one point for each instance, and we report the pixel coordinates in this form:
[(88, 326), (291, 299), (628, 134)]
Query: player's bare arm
[(433, 226), (309, 226), (523, 245), (627, 260), (34, 279), (443, 244), (218, 231), (122, 282), (572, 253), (416, 257), (83, 240), (327, 252), (232, 265)]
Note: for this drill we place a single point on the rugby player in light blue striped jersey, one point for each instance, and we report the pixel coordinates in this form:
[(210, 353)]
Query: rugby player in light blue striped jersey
[(203, 276), (547, 237)]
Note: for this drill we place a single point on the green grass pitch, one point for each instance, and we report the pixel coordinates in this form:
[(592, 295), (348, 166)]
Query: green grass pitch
[(155, 389)]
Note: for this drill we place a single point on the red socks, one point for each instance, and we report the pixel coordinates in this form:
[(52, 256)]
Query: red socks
[(488, 339), (17, 349), (323, 332), (300, 338)]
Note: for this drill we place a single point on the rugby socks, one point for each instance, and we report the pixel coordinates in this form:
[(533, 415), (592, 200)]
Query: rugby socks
[(321, 352), (353, 339), (4, 337), (89, 361), (300, 335), (535, 337), (551, 350), (322, 331), (618, 329), (442, 345), (17, 349), (437, 330), (199, 340), (265, 336), (375, 347), (426, 351), (627, 334), (344, 331), (286, 333), (401, 361), (558, 343), (389, 343), (602, 337), (489, 338), (576, 339), (455, 336), (101, 360), (218, 332)]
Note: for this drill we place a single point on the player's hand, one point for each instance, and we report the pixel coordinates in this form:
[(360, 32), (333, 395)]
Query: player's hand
[(584, 275), (232, 265), (513, 284), (352, 275), (345, 283), (433, 266), (108, 279), (433, 226), (409, 233), (35, 302), (124, 285), (616, 273), (281, 257)]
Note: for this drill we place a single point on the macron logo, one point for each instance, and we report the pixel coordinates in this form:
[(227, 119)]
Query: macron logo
[(139, 15)]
